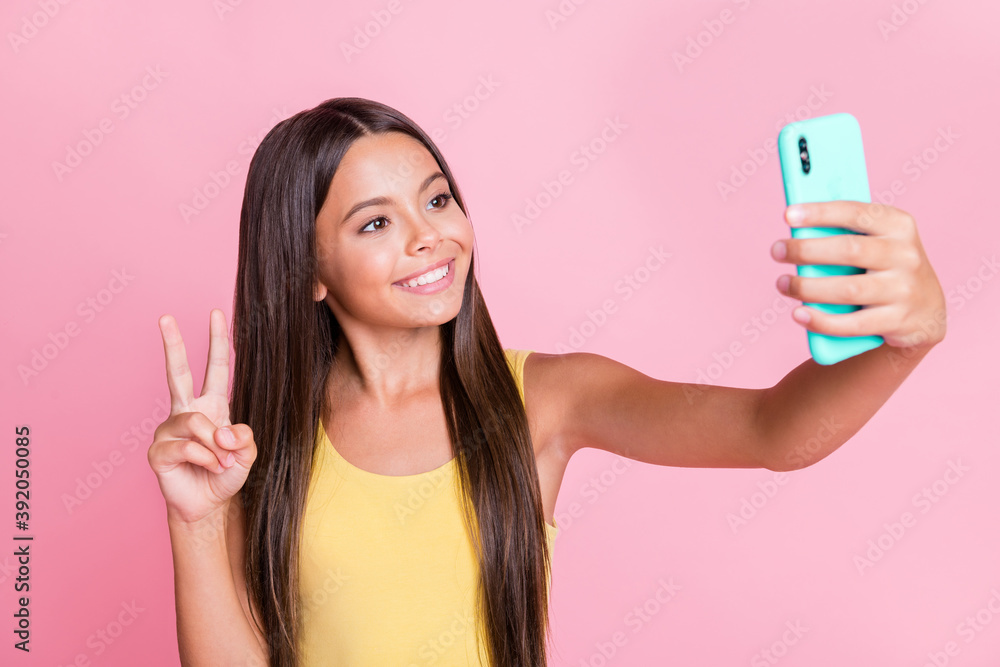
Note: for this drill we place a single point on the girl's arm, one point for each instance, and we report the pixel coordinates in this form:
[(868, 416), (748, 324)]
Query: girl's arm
[(213, 628), (815, 409), (586, 400), (201, 461)]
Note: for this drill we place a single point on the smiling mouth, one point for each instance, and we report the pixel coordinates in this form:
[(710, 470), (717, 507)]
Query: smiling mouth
[(431, 282), (428, 278)]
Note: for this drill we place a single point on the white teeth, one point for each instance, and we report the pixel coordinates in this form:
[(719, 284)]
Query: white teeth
[(430, 277)]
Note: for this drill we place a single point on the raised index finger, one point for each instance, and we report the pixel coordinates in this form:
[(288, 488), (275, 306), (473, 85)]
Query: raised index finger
[(875, 218), (217, 372), (178, 372)]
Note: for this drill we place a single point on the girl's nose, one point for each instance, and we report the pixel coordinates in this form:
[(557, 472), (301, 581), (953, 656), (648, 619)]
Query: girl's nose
[(424, 232)]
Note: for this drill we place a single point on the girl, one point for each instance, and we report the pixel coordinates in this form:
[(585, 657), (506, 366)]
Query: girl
[(380, 487)]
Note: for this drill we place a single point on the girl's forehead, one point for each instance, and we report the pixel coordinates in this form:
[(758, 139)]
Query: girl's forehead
[(390, 165), (394, 149), (381, 162)]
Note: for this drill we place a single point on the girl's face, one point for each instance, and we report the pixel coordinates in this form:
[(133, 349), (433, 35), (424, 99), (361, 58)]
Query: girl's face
[(389, 215)]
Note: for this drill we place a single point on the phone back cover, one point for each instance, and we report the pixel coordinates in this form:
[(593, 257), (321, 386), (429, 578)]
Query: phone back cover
[(837, 172)]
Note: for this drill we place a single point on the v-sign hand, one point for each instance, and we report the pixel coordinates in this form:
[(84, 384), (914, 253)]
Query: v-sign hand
[(200, 458)]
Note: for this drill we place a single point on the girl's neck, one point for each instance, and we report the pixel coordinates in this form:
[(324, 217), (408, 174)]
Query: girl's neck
[(386, 375)]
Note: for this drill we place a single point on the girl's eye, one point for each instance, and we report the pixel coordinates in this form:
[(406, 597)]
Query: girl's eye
[(373, 221), (443, 197)]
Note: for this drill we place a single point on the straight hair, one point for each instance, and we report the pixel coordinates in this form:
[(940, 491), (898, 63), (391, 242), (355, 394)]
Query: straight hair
[(285, 343)]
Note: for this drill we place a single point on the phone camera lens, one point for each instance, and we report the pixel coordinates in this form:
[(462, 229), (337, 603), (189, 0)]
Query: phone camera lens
[(804, 154)]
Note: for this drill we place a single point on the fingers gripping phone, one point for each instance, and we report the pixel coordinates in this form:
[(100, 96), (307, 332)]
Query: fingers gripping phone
[(822, 159)]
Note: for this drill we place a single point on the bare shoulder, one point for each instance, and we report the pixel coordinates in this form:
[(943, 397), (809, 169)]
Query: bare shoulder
[(552, 386)]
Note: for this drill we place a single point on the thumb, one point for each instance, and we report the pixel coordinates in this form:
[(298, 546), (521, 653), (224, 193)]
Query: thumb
[(238, 439)]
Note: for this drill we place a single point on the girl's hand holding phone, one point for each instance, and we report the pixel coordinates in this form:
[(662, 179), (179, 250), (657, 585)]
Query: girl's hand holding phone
[(199, 468), (901, 297)]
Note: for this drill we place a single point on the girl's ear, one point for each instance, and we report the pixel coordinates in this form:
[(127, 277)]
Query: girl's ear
[(319, 291)]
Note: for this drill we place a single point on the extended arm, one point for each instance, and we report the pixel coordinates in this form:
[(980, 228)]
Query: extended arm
[(587, 400)]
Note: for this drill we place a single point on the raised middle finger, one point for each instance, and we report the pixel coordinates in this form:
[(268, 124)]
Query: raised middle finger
[(217, 371)]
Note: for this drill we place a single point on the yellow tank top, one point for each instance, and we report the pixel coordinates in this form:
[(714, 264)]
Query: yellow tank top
[(387, 571)]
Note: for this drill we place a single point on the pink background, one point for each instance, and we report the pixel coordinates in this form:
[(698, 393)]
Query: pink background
[(228, 72)]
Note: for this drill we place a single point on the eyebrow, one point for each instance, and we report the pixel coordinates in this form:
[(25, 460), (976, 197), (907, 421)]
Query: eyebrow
[(381, 201)]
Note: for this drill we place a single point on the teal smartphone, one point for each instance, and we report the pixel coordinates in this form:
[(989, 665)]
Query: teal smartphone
[(822, 159)]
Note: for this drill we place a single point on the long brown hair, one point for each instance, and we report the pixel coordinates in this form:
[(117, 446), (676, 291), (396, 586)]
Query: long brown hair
[(285, 343)]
